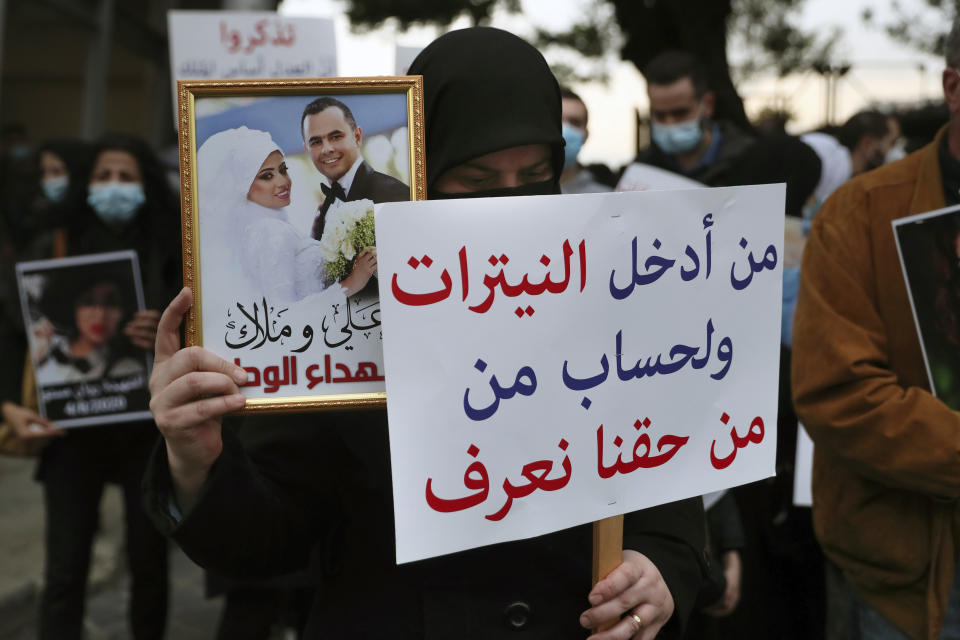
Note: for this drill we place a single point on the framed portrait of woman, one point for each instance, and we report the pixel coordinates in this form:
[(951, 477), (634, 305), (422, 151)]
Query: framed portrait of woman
[(279, 180), (75, 311), (928, 245)]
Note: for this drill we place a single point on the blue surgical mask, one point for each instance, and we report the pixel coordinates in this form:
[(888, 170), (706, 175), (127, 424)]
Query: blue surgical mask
[(116, 202), (573, 138), (810, 209), (20, 151), (55, 188), (677, 138)]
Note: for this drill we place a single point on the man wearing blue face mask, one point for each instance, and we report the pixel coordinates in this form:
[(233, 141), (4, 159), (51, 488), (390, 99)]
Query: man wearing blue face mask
[(575, 177), (684, 137)]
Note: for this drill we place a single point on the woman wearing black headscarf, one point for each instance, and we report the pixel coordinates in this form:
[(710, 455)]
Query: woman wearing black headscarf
[(492, 116)]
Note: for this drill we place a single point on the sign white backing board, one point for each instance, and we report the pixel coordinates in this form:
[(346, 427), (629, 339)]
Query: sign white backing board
[(227, 45), (644, 177), (803, 470), (556, 360)]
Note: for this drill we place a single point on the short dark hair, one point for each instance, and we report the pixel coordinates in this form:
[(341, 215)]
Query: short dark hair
[(673, 65), (324, 103), (952, 45), (64, 288), (863, 123), (566, 93)]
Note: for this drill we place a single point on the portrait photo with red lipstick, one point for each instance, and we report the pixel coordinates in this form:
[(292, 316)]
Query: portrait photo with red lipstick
[(78, 312)]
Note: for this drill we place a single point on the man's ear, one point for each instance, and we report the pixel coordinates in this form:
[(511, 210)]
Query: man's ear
[(865, 145), (951, 89), (358, 134), (709, 102)]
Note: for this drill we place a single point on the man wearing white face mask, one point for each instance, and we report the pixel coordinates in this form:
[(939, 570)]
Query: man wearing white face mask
[(575, 177), (684, 137)]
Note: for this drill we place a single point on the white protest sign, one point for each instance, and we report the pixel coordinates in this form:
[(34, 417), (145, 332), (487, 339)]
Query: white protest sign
[(404, 57), (645, 177), (555, 360), (223, 45), (803, 470)]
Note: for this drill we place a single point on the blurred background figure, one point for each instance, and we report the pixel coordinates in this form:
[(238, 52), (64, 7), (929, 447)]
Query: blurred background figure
[(575, 177), (58, 186), (684, 136), (868, 136), (124, 203)]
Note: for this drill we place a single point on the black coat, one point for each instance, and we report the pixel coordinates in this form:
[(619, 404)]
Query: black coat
[(326, 492), (367, 185), (379, 187)]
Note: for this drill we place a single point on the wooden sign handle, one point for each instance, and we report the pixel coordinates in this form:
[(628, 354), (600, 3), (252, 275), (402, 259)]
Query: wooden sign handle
[(607, 551)]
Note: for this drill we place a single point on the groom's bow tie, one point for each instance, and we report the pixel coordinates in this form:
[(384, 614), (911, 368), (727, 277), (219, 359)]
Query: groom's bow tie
[(333, 191)]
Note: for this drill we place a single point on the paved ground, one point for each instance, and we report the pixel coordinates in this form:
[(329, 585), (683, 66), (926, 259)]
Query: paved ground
[(192, 617)]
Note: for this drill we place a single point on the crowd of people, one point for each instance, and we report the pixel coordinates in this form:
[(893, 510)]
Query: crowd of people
[(876, 557)]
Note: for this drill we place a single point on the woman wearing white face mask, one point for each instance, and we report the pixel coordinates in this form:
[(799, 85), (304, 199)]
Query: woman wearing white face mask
[(116, 186), (56, 197), (129, 206), (38, 235)]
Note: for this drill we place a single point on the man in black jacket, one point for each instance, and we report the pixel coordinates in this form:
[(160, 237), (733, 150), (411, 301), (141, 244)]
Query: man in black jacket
[(685, 138), (332, 138)]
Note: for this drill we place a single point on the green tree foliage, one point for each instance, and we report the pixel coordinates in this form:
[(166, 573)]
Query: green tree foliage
[(640, 29), (923, 27), (764, 30), (372, 13)]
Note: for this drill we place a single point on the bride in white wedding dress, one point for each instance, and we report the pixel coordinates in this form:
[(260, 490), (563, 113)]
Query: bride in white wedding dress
[(249, 249)]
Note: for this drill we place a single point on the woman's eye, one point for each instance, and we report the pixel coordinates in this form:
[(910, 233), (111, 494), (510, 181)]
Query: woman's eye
[(266, 176), (474, 180), (540, 173)]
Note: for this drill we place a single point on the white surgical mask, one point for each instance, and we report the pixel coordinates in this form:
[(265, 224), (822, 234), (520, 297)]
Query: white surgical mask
[(55, 188), (677, 138), (116, 202)]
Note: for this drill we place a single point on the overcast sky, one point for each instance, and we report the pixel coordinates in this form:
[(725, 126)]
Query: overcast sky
[(883, 70)]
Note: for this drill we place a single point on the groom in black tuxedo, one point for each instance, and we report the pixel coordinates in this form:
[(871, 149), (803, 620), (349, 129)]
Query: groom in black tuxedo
[(332, 138)]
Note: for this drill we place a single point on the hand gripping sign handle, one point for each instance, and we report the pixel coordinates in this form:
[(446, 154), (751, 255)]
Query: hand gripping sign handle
[(607, 551)]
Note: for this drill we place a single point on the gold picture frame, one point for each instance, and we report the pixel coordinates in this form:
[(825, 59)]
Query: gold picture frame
[(252, 261)]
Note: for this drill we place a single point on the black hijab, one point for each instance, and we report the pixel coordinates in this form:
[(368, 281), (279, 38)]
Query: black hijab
[(780, 158), (486, 90)]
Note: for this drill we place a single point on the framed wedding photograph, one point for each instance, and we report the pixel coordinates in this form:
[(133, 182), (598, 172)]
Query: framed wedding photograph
[(278, 182), (87, 370)]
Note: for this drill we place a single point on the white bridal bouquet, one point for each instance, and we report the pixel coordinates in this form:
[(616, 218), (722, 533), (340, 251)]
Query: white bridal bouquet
[(348, 231)]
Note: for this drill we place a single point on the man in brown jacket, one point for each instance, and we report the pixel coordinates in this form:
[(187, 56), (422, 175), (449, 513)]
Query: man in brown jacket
[(886, 475)]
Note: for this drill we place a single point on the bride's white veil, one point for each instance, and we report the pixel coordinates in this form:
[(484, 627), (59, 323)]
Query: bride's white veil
[(227, 164)]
